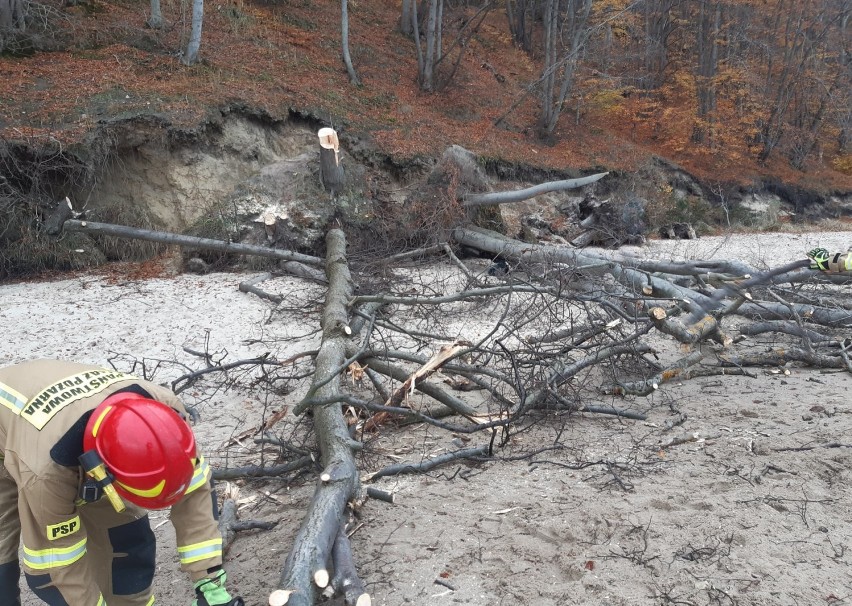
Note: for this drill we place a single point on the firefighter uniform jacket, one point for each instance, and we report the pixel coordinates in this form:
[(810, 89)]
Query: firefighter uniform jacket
[(77, 553)]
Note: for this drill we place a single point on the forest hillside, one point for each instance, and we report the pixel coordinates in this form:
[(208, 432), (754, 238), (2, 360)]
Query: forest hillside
[(732, 91)]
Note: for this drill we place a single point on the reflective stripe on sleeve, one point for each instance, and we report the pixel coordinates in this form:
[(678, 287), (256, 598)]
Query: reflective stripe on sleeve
[(101, 601), (200, 551), (199, 476), (150, 602), (45, 559), (11, 399)]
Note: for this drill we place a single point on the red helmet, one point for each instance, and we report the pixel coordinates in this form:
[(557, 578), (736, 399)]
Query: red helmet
[(146, 446)]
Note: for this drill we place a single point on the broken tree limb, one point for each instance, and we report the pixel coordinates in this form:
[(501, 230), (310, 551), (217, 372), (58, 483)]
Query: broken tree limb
[(444, 354), (346, 581), (133, 233), (307, 564), (227, 516), (300, 270), (430, 389), (644, 283), (683, 369), (561, 372), (250, 286), (55, 225), (230, 525), (415, 254), (429, 464), (810, 313), (505, 197), (380, 495), (706, 327), (259, 471), (728, 290), (610, 410)]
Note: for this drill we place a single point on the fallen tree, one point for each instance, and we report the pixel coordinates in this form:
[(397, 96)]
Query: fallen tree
[(321, 542), (565, 330)]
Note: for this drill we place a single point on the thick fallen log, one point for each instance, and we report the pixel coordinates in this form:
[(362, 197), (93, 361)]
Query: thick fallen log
[(346, 581), (780, 357), (633, 274), (636, 280), (812, 314), (307, 566), (789, 328), (706, 327)]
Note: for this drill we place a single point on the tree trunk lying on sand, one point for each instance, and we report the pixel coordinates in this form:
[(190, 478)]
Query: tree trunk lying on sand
[(648, 280), (307, 566)]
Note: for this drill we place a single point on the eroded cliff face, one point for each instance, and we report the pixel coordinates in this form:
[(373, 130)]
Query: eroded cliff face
[(259, 170), (247, 177), (179, 177)]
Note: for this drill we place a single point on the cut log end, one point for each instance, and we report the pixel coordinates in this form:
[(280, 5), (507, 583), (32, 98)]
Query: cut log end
[(279, 597), (658, 313), (321, 578)]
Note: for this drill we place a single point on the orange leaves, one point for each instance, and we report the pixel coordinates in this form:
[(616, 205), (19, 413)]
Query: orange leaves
[(283, 55)]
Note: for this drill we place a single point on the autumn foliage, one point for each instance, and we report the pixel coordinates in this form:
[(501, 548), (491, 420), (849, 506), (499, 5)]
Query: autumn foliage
[(735, 90)]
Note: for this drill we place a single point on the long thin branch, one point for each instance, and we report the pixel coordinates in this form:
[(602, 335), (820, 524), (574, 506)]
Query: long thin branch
[(431, 463), (519, 195)]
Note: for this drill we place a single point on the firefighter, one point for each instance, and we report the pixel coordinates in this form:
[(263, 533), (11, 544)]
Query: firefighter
[(86, 451), (836, 263)]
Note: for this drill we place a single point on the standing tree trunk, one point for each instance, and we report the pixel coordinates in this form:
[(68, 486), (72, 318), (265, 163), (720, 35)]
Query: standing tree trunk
[(344, 40), (519, 26), (191, 57), (427, 72), (406, 23), (155, 21), (709, 24), (659, 26), (331, 170), (12, 20), (12, 13), (565, 40)]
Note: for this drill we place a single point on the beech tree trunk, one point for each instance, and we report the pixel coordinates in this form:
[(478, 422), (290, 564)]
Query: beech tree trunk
[(191, 55), (307, 567), (344, 42), (155, 21)]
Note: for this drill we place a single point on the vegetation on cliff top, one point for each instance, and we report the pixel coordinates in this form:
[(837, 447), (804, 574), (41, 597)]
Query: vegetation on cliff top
[(729, 90)]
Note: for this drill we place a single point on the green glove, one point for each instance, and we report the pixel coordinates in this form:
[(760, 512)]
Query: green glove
[(212, 592), (820, 258)]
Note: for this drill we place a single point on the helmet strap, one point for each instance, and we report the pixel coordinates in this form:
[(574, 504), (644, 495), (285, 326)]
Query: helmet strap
[(98, 481)]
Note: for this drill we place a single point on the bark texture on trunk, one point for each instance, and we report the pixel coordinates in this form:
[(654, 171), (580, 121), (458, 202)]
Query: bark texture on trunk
[(331, 170), (307, 566)]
